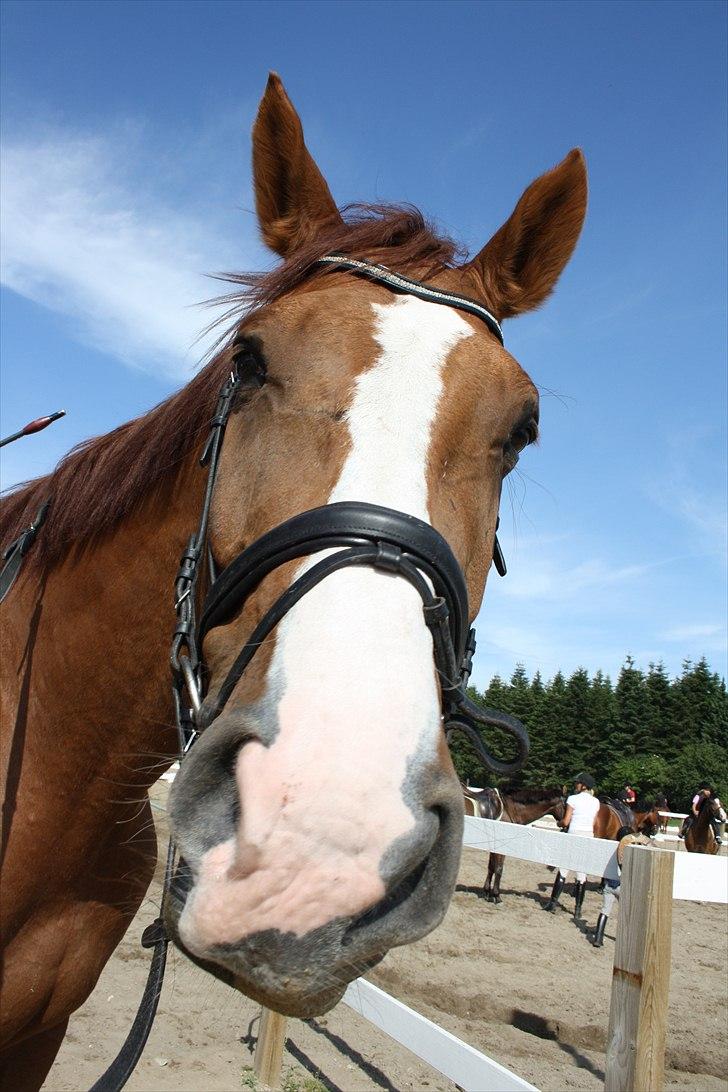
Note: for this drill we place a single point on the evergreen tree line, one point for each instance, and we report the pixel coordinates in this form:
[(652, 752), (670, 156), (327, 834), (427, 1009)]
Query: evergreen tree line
[(660, 735)]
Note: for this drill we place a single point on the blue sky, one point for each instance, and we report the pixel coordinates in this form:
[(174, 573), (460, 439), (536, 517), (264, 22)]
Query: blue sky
[(126, 178)]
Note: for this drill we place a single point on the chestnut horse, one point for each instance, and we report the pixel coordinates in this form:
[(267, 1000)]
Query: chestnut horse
[(518, 806), (349, 392), (700, 837), (613, 815)]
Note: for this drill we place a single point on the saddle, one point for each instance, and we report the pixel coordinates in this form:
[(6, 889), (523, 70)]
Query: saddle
[(487, 803), (623, 812)]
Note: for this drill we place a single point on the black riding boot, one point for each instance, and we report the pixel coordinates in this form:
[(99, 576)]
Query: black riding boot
[(555, 892), (579, 889), (598, 939)]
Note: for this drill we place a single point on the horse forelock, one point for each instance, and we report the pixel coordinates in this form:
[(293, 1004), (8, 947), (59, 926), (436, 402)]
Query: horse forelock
[(105, 479)]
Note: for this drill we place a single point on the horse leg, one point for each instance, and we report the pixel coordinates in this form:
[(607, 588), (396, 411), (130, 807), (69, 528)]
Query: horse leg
[(488, 885), (58, 952), (499, 859), (25, 1066)]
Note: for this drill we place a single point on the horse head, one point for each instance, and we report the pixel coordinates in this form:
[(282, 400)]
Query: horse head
[(320, 817), (712, 808), (558, 810), (648, 820)]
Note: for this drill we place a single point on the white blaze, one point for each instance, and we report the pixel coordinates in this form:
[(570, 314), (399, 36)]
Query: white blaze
[(352, 673)]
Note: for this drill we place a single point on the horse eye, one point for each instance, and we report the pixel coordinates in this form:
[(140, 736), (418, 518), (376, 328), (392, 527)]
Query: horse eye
[(248, 365)]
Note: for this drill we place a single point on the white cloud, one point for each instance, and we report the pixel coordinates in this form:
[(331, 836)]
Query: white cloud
[(84, 235), (544, 572), (711, 636), (681, 489), (691, 632)]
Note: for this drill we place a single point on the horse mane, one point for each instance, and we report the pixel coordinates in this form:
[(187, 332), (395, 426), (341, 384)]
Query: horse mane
[(531, 796), (104, 479)]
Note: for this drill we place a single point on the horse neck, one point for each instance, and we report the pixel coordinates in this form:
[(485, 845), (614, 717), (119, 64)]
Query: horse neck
[(87, 645), (526, 813), (704, 816)]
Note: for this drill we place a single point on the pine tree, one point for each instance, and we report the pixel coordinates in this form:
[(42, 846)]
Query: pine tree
[(577, 722), (537, 688), (702, 710), (555, 754), (604, 725), (633, 735), (520, 703), (663, 726), (520, 696)]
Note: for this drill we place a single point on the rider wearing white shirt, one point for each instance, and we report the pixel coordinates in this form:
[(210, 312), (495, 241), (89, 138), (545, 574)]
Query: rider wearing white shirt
[(582, 808)]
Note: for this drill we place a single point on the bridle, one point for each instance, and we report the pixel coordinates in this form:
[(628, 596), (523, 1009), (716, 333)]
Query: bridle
[(360, 534)]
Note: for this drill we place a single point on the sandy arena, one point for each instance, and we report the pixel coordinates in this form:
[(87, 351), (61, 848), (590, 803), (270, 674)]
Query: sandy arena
[(522, 986)]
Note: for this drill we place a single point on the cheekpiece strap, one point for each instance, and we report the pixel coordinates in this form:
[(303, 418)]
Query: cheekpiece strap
[(398, 282)]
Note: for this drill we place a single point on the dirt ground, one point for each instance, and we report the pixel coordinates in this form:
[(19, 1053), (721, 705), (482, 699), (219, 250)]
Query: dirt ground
[(523, 986)]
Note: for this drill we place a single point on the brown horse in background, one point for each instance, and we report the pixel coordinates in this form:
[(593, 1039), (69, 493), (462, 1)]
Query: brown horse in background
[(613, 815), (700, 837), (348, 392), (520, 806)]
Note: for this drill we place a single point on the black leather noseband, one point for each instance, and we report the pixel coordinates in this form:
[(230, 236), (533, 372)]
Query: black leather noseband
[(390, 542)]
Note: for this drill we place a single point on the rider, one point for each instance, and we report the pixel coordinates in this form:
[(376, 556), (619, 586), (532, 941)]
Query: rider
[(704, 791), (628, 795), (625, 837), (582, 809)]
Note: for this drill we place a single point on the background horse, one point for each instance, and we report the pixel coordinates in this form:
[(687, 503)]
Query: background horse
[(521, 806), (614, 814), (700, 837), (343, 391)]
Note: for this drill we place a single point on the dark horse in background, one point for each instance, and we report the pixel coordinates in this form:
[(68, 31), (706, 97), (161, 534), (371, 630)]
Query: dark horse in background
[(700, 837), (520, 806), (346, 392)]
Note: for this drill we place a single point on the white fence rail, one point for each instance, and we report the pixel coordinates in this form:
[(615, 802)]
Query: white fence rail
[(568, 852), (463, 1064), (697, 877)]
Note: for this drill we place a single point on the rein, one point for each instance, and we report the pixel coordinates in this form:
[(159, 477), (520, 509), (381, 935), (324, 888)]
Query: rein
[(361, 534)]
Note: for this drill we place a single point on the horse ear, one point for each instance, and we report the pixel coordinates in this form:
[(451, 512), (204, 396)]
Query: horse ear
[(521, 264), (291, 197)]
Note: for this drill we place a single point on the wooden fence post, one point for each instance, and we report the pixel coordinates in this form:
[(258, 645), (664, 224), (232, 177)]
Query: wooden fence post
[(269, 1048), (641, 977)]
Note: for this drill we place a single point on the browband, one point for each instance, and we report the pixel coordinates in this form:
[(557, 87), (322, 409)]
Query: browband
[(399, 282)]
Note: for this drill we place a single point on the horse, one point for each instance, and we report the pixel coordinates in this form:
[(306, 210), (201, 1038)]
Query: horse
[(613, 815), (662, 804), (647, 817), (521, 806), (700, 836), (364, 378)]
